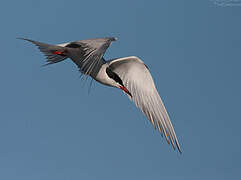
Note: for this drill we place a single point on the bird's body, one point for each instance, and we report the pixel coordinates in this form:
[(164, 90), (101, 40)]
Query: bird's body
[(129, 74)]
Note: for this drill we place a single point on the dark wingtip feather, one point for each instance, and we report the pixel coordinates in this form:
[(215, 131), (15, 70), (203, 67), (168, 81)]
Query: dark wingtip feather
[(178, 146)]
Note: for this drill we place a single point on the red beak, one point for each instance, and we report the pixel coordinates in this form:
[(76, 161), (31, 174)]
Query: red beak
[(125, 90)]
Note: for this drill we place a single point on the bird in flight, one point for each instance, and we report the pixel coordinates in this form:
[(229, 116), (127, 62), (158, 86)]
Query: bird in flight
[(129, 74)]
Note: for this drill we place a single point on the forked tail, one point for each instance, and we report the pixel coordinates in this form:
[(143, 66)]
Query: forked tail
[(53, 53)]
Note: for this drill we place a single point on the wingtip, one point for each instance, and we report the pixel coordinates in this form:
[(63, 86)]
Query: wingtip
[(179, 149), (20, 38), (174, 145), (178, 146)]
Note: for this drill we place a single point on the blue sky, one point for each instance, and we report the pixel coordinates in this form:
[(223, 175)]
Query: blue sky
[(50, 126)]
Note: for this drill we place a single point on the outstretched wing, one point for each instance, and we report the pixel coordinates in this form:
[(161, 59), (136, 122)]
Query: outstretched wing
[(138, 80), (88, 54)]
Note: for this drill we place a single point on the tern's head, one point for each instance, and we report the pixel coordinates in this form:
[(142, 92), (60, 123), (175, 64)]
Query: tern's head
[(116, 81)]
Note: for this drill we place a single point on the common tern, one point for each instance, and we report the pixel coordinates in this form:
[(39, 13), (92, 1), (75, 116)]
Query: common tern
[(129, 74)]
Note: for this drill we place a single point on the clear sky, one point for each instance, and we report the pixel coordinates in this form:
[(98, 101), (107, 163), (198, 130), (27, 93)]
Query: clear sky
[(51, 128)]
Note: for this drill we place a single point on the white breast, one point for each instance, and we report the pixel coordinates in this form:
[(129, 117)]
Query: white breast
[(103, 78)]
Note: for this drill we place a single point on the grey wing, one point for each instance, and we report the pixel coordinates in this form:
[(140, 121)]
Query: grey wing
[(88, 54), (138, 80)]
